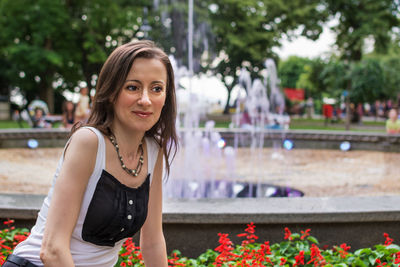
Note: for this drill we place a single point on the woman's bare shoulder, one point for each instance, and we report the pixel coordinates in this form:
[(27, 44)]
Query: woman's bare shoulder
[(84, 139)]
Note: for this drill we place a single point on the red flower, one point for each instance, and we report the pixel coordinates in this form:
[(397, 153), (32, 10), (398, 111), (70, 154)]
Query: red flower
[(388, 240), (283, 261), (8, 222), (379, 261), (299, 259), (343, 250), (288, 234), (225, 248), (174, 260), (304, 234), (397, 258), (316, 256), (4, 246), (249, 234)]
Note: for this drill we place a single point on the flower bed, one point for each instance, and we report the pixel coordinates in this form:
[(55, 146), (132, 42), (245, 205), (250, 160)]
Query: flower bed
[(297, 249)]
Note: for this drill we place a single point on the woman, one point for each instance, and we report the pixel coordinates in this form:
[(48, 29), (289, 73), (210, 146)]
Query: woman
[(393, 123), (108, 184), (68, 118), (83, 107)]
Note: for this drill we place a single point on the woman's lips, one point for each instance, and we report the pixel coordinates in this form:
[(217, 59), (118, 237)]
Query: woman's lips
[(142, 114)]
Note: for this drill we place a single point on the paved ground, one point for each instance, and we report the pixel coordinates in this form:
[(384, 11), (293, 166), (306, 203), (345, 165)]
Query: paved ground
[(315, 172)]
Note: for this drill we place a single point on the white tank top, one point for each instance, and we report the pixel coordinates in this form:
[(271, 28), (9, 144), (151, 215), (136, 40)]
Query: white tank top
[(84, 254)]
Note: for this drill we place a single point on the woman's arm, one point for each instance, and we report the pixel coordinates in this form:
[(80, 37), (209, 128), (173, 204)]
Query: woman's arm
[(152, 240), (67, 197)]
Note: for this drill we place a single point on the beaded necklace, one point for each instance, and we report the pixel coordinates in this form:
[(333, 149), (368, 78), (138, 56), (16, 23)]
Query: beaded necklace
[(133, 172)]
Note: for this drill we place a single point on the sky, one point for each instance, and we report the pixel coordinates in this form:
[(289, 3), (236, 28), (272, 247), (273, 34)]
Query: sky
[(304, 47)]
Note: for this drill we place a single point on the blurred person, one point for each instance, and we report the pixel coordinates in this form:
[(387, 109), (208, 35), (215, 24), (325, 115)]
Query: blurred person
[(108, 183), (393, 123), (82, 110), (360, 112), (68, 116), (38, 119), (327, 111)]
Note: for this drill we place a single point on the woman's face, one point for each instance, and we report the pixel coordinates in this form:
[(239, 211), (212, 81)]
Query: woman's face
[(142, 97), (393, 115)]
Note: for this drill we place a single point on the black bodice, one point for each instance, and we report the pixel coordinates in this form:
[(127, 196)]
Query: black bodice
[(116, 211)]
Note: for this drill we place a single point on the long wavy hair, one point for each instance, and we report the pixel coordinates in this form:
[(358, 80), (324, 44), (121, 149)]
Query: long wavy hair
[(111, 79)]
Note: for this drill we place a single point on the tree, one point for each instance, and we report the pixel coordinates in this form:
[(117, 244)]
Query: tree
[(367, 81), (361, 20), (310, 79), (334, 78), (391, 80), (55, 44), (99, 27), (34, 40), (290, 70), (169, 28)]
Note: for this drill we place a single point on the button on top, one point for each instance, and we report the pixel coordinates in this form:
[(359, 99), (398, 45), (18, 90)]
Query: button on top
[(129, 217), (130, 202), (122, 229)]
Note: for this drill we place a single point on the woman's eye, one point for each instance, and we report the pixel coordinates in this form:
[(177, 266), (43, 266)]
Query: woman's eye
[(157, 89), (131, 87)]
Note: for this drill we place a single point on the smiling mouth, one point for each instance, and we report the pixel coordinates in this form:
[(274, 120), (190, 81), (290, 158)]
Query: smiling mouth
[(142, 114)]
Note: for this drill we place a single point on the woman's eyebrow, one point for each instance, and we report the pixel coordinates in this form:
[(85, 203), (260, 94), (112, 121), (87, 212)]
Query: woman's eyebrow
[(153, 82), (133, 81)]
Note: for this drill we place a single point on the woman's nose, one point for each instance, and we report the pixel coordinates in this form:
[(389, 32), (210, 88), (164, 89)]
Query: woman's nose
[(144, 98)]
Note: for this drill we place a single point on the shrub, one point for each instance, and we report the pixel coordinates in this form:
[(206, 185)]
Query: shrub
[(297, 249)]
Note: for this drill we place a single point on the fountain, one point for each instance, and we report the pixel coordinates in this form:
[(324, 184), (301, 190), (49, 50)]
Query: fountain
[(205, 167)]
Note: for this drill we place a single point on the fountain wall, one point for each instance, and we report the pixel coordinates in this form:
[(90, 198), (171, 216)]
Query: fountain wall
[(192, 225), (313, 139)]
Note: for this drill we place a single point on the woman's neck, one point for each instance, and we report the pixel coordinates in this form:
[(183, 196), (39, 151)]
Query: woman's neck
[(128, 141)]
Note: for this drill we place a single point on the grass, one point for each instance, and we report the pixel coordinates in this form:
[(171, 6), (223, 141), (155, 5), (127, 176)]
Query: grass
[(10, 124), (318, 124), (13, 125), (295, 124)]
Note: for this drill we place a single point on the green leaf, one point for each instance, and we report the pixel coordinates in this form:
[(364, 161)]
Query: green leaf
[(359, 263), (393, 246), (295, 236), (372, 259), (339, 265), (362, 251), (284, 247), (312, 239)]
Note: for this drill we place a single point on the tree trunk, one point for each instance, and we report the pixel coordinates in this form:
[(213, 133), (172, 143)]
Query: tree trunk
[(229, 89), (47, 92), (226, 109)]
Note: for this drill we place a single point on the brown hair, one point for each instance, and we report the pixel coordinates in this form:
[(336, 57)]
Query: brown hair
[(111, 79)]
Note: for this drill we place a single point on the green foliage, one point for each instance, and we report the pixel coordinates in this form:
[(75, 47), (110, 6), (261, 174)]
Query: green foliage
[(334, 77), (291, 69), (391, 80), (56, 44), (169, 28), (34, 47), (297, 249), (49, 45), (311, 80), (367, 81), (246, 31), (362, 20)]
